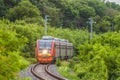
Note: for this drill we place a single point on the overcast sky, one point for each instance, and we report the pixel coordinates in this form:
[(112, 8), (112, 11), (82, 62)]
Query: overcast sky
[(117, 1)]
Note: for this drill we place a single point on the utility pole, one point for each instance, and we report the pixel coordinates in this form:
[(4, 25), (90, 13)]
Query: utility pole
[(91, 28), (46, 19)]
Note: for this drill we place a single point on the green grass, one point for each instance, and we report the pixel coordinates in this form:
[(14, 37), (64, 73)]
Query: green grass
[(66, 71)]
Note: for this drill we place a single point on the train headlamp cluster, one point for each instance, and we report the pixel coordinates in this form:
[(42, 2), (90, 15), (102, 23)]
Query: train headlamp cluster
[(44, 51)]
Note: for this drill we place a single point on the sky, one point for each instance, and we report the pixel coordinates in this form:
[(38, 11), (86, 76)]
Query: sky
[(117, 1)]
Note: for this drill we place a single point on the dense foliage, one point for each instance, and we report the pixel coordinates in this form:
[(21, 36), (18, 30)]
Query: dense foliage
[(11, 44), (22, 21), (98, 59), (17, 40), (62, 13)]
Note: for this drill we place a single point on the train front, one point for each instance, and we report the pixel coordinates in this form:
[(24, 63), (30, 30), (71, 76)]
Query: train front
[(44, 51)]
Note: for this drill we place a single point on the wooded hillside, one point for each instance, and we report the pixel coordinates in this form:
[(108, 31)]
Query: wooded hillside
[(22, 23)]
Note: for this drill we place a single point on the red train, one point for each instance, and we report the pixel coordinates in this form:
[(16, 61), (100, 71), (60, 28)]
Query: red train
[(48, 49)]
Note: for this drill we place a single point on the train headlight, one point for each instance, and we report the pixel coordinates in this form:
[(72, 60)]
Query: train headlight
[(44, 51)]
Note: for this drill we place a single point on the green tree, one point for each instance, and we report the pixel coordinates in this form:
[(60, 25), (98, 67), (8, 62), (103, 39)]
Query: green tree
[(65, 13), (23, 10), (99, 56), (49, 7), (113, 5), (5, 5), (103, 25), (117, 24), (32, 32), (99, 6), (76, 13), (11, 3), (111, 12), (2, 8), (11, 44)]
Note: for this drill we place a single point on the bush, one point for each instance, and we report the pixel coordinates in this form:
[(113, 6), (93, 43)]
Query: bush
[(99, 58), (10, 45)]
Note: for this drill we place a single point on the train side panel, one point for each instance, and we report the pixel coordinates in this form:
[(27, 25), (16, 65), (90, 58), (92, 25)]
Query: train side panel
[(69, 50), (63, 50)]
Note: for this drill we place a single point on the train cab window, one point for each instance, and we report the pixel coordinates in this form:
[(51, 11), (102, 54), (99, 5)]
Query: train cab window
[(48, 45), (41, 45), (45, 45)]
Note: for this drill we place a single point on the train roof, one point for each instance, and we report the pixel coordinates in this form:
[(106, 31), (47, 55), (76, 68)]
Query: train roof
[(52, 38), (47, 38)]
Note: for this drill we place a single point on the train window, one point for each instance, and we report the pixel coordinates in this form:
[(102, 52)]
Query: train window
[(45, 45), (48, 45), (41, 45)]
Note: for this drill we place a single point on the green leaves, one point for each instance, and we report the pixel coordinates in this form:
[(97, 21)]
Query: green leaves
[(22, 10), (116, 20), (11, 41), (99, 56), (18, 39), (99, 6), (11, 44)]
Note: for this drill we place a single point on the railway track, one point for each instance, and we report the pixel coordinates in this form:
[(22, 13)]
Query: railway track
[(46, 72)]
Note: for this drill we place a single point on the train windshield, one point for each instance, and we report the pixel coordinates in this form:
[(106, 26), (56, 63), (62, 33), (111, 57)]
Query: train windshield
[(42, 45), (48, 45), (45, 45)]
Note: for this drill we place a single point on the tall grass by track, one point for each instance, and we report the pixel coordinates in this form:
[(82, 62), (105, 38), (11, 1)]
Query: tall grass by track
[(66, 71)]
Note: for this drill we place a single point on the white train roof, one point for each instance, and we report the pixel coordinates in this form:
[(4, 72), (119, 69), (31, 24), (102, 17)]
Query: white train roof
[(52, 38), (47, 38)]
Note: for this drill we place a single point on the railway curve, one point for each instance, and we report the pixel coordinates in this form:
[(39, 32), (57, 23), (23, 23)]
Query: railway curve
[(46, 72)]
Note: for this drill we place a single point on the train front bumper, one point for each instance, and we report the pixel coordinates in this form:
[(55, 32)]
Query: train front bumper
[(45, 60)]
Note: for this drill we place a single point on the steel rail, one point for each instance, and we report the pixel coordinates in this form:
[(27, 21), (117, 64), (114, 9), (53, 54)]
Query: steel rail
[(36, 74), (53, 75), (46, 69)]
